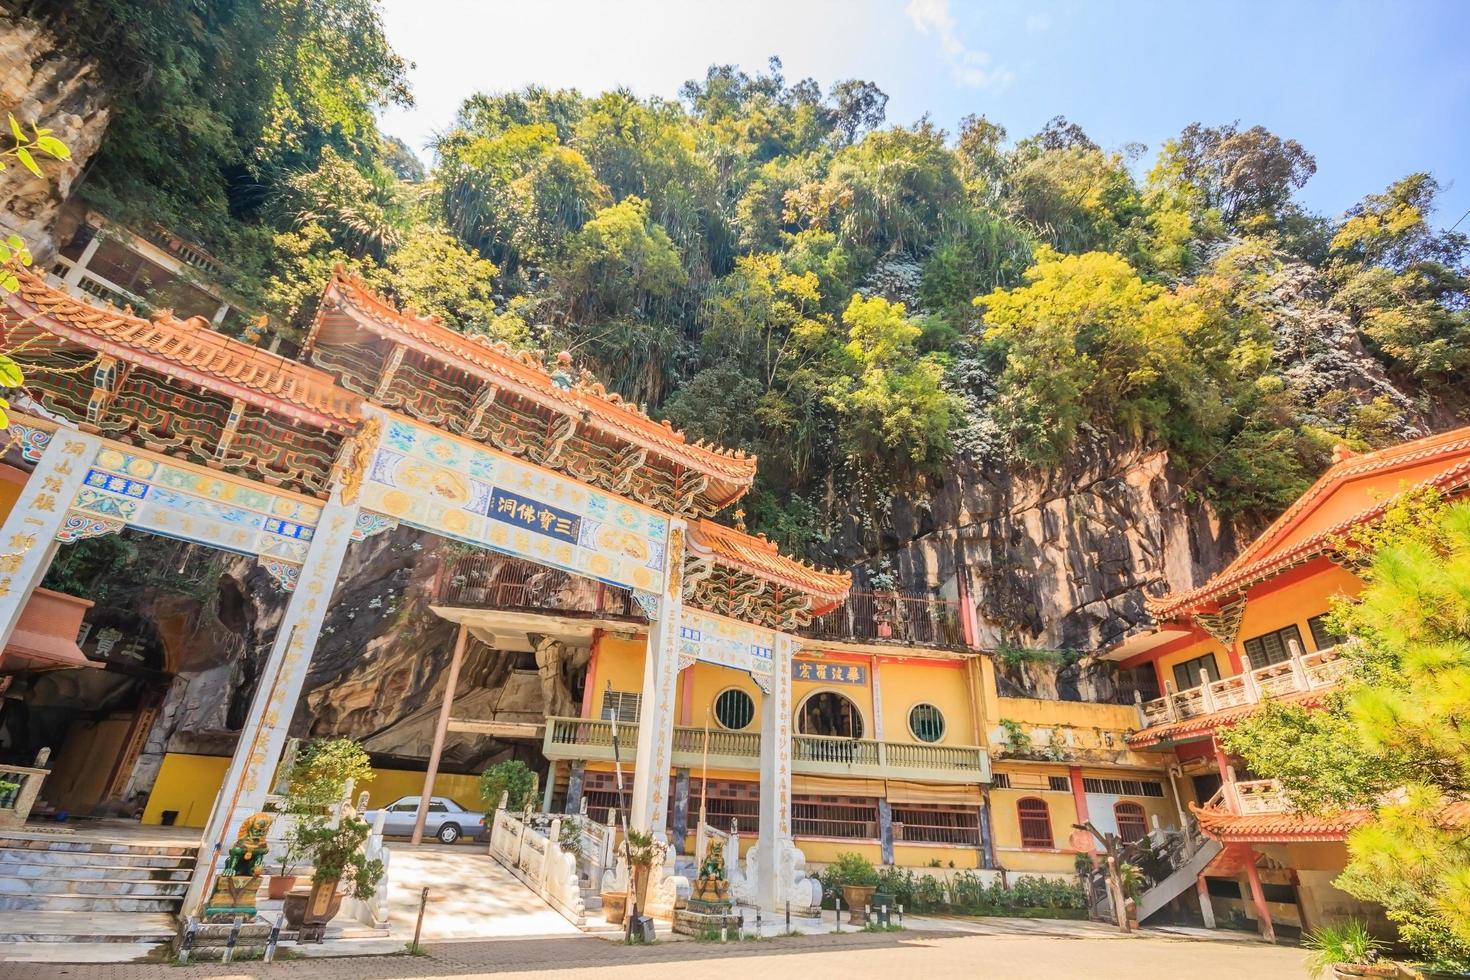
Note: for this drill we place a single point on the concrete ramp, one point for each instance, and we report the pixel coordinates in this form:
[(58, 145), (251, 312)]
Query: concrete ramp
[(470, 896)]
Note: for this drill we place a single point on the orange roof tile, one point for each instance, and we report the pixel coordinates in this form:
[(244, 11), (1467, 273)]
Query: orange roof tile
[(1202, 725), (1228, 827), (188, 349), (761, 557), (1367, 485), (498, 363)]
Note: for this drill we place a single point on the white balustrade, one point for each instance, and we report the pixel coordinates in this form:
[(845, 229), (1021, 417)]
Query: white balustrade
[(1297, 674)]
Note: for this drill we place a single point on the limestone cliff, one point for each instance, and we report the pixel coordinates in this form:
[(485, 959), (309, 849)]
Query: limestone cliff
[(40, 85)]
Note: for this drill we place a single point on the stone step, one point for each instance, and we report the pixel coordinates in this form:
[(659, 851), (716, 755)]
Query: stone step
[(12, 857), (81, 872), (9, 842), (85, 927), (110, 887), (74, 902)]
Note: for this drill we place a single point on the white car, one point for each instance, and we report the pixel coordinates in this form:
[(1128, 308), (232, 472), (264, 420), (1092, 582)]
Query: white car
[(446, 819)]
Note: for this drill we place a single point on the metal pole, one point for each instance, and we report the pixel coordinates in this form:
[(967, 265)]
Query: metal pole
[(419, 926), (630, 897), (439, 732)]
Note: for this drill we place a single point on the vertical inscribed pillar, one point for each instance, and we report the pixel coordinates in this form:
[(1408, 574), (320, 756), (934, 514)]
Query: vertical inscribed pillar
[(652, 762)]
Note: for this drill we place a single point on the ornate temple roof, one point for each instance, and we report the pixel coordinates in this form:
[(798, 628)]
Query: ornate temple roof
[(760, 557), (1355, 490), (1298, 827), (190, 350), (730, 472)]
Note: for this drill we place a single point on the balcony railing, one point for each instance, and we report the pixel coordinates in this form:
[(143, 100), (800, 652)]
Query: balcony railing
[(589, 739), (891, 617), (1301, 672), (1249, 797), (19, 787), (488, 580)]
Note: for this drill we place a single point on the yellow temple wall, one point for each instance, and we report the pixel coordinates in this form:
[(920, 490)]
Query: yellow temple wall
[(1294, 604), (905, 684), (1165, 664), (619, 660), (709, 681)]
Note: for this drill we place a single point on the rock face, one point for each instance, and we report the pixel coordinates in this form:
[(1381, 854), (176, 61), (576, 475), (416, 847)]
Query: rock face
[(42, 86), (1058, 560)]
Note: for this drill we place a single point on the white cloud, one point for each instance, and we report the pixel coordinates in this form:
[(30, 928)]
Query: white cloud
[(969, 66)]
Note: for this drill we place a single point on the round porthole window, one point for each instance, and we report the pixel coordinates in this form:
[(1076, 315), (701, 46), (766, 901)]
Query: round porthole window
[(734, 709), (926, 723)]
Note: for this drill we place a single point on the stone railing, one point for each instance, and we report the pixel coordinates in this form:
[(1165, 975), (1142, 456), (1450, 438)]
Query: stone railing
[(538, 860), (1256, 796), (373, 913), (16, 803), (588, 739), (1318, 670)]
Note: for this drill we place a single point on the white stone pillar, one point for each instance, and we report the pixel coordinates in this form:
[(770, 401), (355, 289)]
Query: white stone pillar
[(654, 757), (28, 537), (263, 739), (776, 853)]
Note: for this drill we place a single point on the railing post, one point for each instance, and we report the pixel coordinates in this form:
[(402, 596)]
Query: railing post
[(1299, 679), (1138, 707), (1206, 696), (1170, 709)]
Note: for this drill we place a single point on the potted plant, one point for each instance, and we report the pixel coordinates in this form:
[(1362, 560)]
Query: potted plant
[(293, 850), (1346, 949), (858, 880), (641, 851), (339, 860)]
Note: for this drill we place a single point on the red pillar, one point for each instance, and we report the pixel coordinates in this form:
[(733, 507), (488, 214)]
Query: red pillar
[(1221, 760), (968, 627), (1258, 896)]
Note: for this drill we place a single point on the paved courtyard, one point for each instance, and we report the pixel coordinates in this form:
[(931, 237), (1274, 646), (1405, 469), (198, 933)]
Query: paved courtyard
[(1092, 956)]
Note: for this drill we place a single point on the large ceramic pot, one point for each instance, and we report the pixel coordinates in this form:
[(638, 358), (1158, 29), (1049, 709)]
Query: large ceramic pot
[(615, 906), (857, 898), (280, 886), (308, 910)]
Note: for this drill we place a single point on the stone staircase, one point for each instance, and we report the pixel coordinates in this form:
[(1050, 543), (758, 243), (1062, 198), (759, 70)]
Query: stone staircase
[(40, 873)]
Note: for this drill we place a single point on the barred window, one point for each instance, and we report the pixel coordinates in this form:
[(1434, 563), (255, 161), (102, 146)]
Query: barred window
[(1132, 823), (1035, 819), (1323, 637), (622, 705), (933, 824), (1058, 784), (1000, 780), (734, 709), (852, 817), (1124, 787), (926, 723), (1272, 648)]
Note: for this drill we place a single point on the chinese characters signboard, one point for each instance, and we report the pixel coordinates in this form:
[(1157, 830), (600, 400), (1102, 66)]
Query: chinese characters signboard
[(825, 673)]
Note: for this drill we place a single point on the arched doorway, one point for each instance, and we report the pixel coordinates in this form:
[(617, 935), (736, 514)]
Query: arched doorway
[(831, 714)]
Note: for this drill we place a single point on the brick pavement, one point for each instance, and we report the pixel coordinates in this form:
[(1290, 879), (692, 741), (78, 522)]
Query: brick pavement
[(893, 955)]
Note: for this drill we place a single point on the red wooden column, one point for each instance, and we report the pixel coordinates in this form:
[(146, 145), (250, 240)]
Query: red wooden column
[(1258, 896)]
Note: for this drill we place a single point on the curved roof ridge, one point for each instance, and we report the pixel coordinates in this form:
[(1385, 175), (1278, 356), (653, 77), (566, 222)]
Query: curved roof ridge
[(762, 557)]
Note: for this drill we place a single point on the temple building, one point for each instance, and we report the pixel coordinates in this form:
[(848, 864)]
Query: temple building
[(1258, 631)]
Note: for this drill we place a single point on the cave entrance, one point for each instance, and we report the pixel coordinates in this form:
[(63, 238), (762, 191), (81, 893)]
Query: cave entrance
[(90, 716)]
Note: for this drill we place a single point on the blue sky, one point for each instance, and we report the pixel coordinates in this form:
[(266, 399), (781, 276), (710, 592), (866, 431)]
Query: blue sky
[(1373, 90)]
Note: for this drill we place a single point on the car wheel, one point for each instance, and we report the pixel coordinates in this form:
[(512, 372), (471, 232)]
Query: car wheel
[(449, 833)]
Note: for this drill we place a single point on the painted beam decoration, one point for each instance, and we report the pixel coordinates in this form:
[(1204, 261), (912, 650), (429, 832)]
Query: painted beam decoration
[(450, 486), (129, 488), (727, 643)]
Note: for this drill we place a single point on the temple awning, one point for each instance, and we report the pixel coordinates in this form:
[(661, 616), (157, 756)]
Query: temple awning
[(1355, 490), (1202, 726), (187, 349), (1299, 827), (45, 638), (761, 557)]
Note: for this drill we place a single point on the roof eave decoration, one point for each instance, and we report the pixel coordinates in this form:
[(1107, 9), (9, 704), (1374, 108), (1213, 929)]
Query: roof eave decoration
[(522, 373), (1257, 563), (190, 351), (744, 576)]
